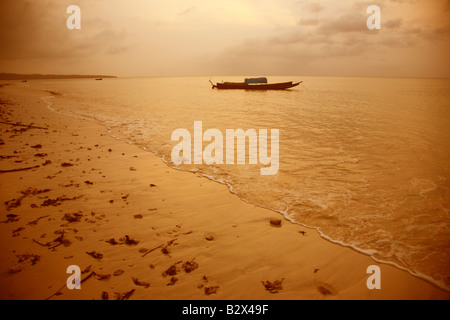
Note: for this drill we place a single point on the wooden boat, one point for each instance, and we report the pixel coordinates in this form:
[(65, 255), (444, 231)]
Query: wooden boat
[(98, 79), (255, 84)]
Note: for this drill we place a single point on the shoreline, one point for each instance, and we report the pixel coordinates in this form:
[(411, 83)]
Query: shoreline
[(228, 243)]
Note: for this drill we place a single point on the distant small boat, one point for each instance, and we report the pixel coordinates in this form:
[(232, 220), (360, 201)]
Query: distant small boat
[(24, 80), (98, 79), (255, 84)]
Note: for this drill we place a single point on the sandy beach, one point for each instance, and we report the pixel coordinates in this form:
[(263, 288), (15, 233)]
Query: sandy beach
[(73, 195)]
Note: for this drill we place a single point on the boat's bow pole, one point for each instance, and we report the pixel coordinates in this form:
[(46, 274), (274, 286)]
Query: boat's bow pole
[(213, 85)]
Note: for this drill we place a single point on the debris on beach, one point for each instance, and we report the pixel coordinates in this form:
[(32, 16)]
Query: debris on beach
[(140, 283), (60, 240), (129, 241), (100, 276), (208, 289), (113, 242), (57, 201), (118, 273), (95, 255), (66, 164), (211, 290), (34, 222), (15, 233), (11, 218), (72, 217), (33, 258), (87, 269), (273, 287), (125, 240), (165, 248), (171, 271), (20, 169), (172, 281), (40, 155), (15, 203), (14, 269), (124, 296), (189, 266)]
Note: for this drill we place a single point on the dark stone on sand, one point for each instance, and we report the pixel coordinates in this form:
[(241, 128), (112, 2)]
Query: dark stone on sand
[(275, 222), (324, 291), (209, 237)]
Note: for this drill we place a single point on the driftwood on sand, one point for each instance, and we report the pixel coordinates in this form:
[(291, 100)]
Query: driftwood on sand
[(23, 125), (20, 169)]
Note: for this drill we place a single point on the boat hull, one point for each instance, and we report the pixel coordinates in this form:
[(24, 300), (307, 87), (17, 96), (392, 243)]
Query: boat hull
[(244, 86)]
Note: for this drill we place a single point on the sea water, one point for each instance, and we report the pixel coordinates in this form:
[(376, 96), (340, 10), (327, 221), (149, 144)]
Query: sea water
[(365, 161)]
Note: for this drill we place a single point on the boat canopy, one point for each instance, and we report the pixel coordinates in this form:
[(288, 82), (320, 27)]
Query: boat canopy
[(256, 80)]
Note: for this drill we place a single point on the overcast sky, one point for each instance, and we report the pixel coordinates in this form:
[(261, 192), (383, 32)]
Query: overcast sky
[(232, 37)]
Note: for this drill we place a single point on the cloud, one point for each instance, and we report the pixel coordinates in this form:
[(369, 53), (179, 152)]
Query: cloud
[(141, 37), (339, 42), (348, 22), (37, 30), (393, 23), (308, 22), (313, 7), (187, 11)]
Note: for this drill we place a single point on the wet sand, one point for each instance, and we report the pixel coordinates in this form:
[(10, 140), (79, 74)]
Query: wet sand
[(72, 195)]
